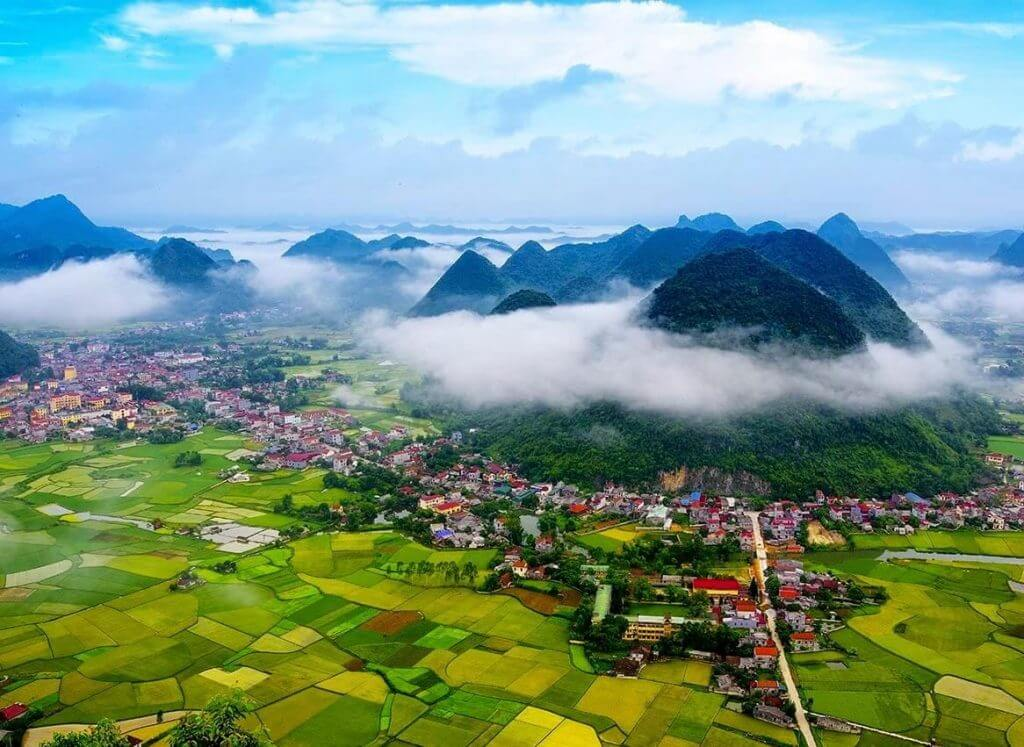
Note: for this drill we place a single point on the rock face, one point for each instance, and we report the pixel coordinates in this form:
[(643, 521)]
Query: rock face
[(715, 481)]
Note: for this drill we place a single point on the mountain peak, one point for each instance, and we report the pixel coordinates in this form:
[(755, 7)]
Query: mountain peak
[(523, 299), (531, 247), (739, 298), (472, 282), (710, 222)]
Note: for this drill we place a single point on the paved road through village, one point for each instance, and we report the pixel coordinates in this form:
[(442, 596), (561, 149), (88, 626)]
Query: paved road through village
[(760, 567)]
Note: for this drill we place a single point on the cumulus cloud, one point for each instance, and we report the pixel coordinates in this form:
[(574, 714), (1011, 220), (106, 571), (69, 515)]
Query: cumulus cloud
[(83, 296), (652, 47), (572, 355)]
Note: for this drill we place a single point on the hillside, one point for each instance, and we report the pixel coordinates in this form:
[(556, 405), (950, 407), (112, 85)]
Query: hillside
[(471, 283), (56, 221), (864, 301), (768, 226), (660, 255), (15, 357), (797, 448), (1011, 254), (523, 299), (182, 263), (743, 297), (332, 245), (842, 233), (530, 267), (709, 222)]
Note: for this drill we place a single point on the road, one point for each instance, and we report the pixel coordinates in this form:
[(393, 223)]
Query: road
[(760, 568)]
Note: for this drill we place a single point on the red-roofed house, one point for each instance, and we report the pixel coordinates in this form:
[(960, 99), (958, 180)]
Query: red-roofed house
[(806, 641), (717, 587), (765, 656), (13, 711)]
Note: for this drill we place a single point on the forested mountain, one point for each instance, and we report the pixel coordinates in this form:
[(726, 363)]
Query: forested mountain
[(842, 233), (57, 222), (1011, 254), (15, 357), (740, 298), (472, 283), (824, 267), (523, 299), (332, 245), (660, 255), (530, 266), (710, 222), (768, 226), (180, 262), (798, 448)]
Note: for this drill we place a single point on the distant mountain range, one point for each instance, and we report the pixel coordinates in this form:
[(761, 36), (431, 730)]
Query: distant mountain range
[(433, 228), (579, 272), (738, 298), (970, 244)]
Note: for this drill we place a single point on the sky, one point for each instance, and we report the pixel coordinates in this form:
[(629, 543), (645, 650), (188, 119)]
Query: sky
[(321, 111)]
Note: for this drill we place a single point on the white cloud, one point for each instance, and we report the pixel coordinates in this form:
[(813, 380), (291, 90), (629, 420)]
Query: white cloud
[(83, 296), (651, 46), (572, 355), (994, 151), (114, 43), (927, 266)]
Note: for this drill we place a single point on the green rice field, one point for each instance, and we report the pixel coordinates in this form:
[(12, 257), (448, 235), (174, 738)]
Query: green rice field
[(349, 637), (942, 659)]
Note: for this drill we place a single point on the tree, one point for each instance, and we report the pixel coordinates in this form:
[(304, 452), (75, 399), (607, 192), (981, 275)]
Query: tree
[(188, 459), (104, 734), (217, 725)]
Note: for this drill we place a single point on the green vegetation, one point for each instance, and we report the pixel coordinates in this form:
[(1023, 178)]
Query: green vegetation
[(942, 658), (798, 450), (523, 299), (720, 292), (15, 357)]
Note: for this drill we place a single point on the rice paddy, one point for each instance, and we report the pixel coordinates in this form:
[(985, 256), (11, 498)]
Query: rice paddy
[(941, 659)]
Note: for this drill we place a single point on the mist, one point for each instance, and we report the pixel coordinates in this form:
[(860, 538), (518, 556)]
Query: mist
[(83, 295), (948, 287), (573, 355)]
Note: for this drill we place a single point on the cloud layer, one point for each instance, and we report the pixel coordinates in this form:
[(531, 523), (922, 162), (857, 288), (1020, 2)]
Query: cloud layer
[(83, 296), (650, 46), (572, 355)]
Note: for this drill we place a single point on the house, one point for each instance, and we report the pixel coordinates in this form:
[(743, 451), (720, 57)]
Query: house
[(766, 656), (300, 459), (545, 543), (765, 687), (804, 641), (519, 567), (13, 711), (717, 587)]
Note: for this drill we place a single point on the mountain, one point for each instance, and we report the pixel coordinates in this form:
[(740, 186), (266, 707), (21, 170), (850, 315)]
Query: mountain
[(660, 255), (472, 283), (15, 357), (844, 235), (710, 222), (482, 242), (6, 209), (581, 289), (409, 242), (182, 263), (822, 266), (332, 245), (530, 267), (738, 297), (56, 221), (976, 245), (185, 228), (523, 299), (596, 258), (768, 226), (1011, 254)]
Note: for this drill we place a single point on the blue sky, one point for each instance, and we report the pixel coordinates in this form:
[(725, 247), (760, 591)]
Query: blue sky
[(323, 110)]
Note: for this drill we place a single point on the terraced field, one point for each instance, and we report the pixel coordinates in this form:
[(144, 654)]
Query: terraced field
[(356, 636), (943, 658)]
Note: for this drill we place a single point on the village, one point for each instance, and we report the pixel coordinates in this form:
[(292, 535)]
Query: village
[(664, 593)]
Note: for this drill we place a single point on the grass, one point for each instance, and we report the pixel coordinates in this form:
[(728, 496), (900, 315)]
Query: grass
[(1012, 445)]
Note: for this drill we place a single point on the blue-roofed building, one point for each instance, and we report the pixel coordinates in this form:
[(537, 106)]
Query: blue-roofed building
[(917, 500)]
